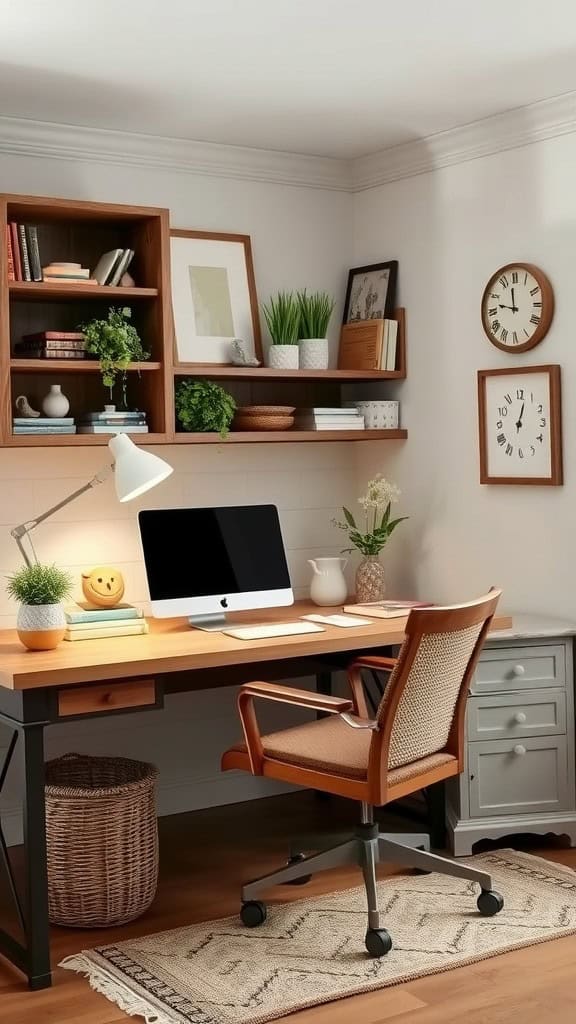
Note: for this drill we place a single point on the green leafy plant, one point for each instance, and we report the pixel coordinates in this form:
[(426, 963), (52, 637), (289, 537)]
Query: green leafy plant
[(117, 343), (315, 312), (204, 406), (39, 584), (378, 525), (282, 315)]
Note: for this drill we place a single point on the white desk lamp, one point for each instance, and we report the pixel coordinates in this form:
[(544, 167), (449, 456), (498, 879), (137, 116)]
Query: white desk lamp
[(135, 472)]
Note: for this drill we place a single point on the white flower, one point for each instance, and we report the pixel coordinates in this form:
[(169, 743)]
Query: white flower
[(380, 492)]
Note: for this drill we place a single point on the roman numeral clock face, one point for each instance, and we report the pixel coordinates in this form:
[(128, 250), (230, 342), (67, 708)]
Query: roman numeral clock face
[(517, 307)]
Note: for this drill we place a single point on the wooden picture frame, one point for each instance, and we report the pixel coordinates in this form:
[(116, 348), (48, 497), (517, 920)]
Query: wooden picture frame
[(362, 305), (225, 277), (554, 476)]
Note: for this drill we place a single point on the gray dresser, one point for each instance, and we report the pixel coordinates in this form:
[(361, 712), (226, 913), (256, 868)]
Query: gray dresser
[(519, 772)]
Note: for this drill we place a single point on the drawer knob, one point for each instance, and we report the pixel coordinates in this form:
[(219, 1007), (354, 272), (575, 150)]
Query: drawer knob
[(520, 717), (519, 750), (518, 670)]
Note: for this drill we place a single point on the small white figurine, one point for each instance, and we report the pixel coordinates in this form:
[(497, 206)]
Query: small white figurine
[(239, 356), (24, 408)]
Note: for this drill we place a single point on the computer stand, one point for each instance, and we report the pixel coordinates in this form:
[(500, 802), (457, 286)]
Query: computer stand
[(209, 623)]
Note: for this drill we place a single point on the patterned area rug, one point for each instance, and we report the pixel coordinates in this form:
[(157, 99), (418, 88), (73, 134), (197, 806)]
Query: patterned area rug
[(312, 951)]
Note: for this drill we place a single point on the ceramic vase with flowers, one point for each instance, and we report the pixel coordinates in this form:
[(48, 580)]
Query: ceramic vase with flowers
[(371, 535)]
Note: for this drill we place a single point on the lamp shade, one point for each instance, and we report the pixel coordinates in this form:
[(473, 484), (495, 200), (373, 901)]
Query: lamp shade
[(135, 471)]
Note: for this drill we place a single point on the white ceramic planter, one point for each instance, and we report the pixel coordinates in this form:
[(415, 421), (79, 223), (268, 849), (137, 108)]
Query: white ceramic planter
[(313, 353), (283, 357), (379, 415), (41, 627)]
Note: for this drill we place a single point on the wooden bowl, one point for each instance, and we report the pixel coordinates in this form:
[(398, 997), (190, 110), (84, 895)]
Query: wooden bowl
[(263, 422), (264, 410)]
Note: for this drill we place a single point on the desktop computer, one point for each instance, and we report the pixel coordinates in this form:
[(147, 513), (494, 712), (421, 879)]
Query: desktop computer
[(203, 562)]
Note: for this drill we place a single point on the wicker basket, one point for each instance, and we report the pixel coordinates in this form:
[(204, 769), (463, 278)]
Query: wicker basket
[(102, 838)]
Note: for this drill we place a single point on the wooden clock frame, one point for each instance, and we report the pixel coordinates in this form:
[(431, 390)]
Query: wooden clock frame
[(547, 308), (556, 474)]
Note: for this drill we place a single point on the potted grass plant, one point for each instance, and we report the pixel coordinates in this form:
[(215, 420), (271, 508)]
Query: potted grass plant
[(40, 589), (282, 315), (315, 312)]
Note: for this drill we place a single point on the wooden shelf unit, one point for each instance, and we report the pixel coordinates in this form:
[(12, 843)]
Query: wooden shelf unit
[(82, 231)]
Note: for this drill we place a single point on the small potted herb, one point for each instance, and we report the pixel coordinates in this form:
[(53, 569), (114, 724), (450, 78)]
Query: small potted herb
[(204, 406), (40, 589), (315, 312), (282, 315), (116, 343)]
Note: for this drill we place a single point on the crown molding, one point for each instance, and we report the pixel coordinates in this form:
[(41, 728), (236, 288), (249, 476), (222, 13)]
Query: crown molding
[(513, 129), (45, 139)]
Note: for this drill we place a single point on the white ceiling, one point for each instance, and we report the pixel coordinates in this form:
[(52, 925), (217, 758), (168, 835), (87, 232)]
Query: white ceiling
[(337, 78)]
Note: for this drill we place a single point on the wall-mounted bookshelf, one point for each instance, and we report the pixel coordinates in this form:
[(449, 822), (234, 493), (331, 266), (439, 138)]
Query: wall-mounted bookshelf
[(73, 231)]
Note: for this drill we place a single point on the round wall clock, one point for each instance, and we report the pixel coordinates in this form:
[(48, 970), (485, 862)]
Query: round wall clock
[(517, 307)]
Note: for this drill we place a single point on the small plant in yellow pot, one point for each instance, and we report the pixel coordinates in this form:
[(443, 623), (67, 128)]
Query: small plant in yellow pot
[(40, 589)]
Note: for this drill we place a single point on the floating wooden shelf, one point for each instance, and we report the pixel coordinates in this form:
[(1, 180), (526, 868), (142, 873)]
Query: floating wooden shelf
[(265, 373), (262, 436), (73, 440), (45, 291), (71, 366)]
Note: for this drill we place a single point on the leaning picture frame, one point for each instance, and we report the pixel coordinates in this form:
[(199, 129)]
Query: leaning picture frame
[(371, 292), (214, 297)]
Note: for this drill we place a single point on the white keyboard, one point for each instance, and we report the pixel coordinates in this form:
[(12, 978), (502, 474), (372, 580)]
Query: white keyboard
[(273, 629)]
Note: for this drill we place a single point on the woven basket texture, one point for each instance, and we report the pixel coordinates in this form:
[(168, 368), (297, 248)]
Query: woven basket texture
[(102, 839)]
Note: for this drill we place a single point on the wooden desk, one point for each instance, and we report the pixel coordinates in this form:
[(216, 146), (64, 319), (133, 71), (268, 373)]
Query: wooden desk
[(127, 674)]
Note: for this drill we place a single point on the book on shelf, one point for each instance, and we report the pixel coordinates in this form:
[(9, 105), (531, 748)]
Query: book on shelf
[(329, 419), (46, 337), (43, 430), (65, 272), (31, 233), (43, 421), (388, 359), (113, 422), (104, 625), (137, 628), (50, 353), (120, 414), (16, 251), (11, 267), (83, 614), (106, 265), (26, 272), (113, 428), (385, 609), (121, 268), (361, 344)]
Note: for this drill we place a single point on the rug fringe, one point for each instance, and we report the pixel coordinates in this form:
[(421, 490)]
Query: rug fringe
[(107, 985)]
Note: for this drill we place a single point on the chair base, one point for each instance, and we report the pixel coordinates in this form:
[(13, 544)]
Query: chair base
[(365, 848)]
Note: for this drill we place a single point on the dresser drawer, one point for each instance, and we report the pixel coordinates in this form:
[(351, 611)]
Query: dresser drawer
[(104, 697), (501, 716), (524, 776), (520, 668)]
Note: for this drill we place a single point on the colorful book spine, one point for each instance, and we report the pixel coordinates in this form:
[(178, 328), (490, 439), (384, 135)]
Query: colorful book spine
[(48, 336), (138, 428), (26, 272), (11, 268), (33, 252), (94, 616), (122, 629), (16, 251), (43, 421)]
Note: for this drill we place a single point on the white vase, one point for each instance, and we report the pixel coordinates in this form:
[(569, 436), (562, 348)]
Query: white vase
[(283, 357), (41, 627), (55, 403), (328, 586), (313, 353)]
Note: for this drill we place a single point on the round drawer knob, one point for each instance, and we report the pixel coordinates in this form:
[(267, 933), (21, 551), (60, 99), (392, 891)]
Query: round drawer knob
[(518, 670), (519, 750), (520, 717)]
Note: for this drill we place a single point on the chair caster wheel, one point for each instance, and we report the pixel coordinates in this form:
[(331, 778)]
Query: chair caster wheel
[(489, 902), (297, 859), (253, 913), (378, 942)]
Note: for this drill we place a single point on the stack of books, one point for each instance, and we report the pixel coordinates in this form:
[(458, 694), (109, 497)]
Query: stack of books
[(86, 623), (67, 273), (52, 345), (112, 266), (319, 418), (43, 425), (23, 252), (113, 423), (368, 345)]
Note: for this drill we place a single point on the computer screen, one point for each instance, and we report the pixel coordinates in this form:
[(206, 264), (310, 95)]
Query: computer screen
[(203, 560)]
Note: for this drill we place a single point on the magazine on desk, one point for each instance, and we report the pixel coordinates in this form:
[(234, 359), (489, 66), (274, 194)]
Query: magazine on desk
[(385, 609)]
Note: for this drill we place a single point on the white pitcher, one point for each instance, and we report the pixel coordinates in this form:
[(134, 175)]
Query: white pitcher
[(328, 582)]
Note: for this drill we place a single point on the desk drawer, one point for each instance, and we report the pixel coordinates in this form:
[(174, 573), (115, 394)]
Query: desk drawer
[(102, 697), (520, 668), (529, 776), (502, 716)]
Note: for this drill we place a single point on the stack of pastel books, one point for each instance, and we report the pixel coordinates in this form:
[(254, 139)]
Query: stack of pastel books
[(43, 425), (86, 623), (122, 422)]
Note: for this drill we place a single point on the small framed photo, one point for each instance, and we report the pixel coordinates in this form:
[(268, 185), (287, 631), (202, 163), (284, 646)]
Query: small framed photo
[(371, 292), (213, 296)]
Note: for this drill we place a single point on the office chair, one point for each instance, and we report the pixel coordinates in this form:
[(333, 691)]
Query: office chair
[(416, 739)]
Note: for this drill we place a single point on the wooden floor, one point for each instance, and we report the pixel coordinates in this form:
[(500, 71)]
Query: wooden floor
[(206, 855)]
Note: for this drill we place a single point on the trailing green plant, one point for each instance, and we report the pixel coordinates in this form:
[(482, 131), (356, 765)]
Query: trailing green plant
[(282, 315), (116, 343), (377, 527), (39, 584), (315, 312), (204, 406)]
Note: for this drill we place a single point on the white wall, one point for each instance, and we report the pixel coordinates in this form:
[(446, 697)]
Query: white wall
[(450, 230), (300, 237)]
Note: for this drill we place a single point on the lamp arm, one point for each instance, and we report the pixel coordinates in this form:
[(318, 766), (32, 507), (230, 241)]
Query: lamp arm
[(21, 531)]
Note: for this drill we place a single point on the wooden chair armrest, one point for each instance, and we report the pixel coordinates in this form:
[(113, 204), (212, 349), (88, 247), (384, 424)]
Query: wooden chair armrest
[(284, 695), (374, 661)]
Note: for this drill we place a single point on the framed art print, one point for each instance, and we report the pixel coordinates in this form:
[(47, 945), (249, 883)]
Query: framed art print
[(213, 296), (371, 292)]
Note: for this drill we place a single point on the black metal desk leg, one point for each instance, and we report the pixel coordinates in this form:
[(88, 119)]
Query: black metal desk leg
[(34, 820)]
